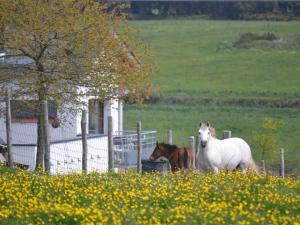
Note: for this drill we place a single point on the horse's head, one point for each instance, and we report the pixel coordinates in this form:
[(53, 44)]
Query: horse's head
[(157, 152), (204, 133)]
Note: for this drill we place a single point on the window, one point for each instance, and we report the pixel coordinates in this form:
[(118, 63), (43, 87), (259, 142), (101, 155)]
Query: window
[(96, 114), (26, 111)]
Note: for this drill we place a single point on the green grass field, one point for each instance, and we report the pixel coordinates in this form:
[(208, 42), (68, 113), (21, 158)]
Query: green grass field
[(243, 121), (190, 63)]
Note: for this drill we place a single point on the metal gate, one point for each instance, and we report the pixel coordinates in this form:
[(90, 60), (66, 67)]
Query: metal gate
[(125, 147)]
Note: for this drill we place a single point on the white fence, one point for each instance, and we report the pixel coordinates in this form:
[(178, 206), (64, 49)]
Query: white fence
[(66, 156)]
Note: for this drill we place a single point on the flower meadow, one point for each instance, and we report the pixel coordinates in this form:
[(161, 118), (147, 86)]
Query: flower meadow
[(131, 198)]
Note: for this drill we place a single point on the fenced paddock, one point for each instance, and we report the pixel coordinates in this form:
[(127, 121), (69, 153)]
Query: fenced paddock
[(126, 147), (67, 154), (65, 151), (118, 151)]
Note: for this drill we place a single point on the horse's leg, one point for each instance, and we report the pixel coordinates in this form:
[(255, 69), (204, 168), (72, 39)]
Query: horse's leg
[(191, 165), (186, 159), (180, 164), (180, 160), (173, 166), (242, 167), (191, 161)]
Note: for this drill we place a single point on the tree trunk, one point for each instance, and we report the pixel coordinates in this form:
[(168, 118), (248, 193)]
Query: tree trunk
[(40, 154), (40, 142), (45, 128)]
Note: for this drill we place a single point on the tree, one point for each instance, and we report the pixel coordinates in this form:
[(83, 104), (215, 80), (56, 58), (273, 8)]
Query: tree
[(71, 49), (266, 139)]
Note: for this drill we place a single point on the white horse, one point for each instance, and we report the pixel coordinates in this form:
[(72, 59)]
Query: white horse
[(227, 154)]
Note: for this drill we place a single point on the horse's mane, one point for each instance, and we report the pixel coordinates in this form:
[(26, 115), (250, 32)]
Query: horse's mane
[(172, 147), (213, 131)]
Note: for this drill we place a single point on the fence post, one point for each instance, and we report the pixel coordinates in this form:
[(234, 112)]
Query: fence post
[(170, 137), (46, 135), (8, 129), (263, 166), (282, 163), (110, 144), (139, 147), (192, 145), (84, 141), (226, 134)]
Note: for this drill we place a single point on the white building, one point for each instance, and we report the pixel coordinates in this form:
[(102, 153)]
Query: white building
[(65, 140)]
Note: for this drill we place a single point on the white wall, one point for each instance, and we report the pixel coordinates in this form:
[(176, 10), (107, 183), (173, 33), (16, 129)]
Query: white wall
[(120, 115), (2, 128), (25, 155), (111, 108), (26, 133)]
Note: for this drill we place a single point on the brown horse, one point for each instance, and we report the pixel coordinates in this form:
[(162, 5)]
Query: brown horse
[(179, 158)]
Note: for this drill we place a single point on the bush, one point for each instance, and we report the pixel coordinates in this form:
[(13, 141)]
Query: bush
[(266, 139)]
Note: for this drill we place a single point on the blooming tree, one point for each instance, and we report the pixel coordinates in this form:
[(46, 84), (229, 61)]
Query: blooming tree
[(65, 50)]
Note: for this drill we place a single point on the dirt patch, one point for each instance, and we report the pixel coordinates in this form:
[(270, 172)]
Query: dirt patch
[(248, 39), (266, 41), (262, 41)]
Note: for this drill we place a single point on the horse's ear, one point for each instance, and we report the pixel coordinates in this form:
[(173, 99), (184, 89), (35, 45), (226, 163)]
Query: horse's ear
[(156, 143), (207, 124), (200, 124)]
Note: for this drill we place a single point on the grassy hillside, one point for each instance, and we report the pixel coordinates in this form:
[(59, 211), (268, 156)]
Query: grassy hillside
[(196, 59), (173, 198), (191, 60)]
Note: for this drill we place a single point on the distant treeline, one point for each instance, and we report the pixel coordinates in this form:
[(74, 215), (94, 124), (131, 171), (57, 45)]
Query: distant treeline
[(215, 10)]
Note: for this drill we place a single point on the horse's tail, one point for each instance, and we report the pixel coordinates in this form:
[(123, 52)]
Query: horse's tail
[(253, 167), (186, 159)]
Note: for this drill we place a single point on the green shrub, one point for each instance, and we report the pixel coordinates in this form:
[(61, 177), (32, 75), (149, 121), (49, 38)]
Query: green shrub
[(266, 140)]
